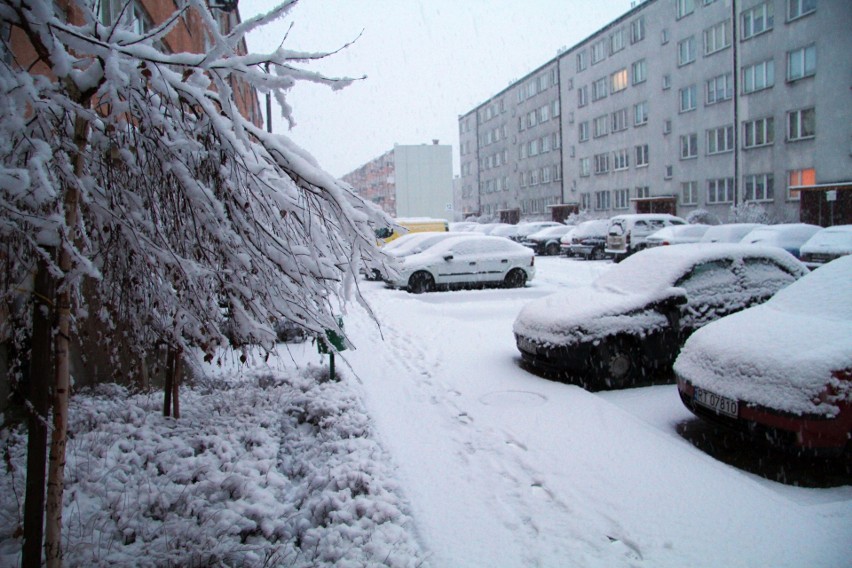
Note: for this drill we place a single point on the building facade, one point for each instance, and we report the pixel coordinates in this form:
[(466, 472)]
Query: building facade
[(677, 106), (409, 181)]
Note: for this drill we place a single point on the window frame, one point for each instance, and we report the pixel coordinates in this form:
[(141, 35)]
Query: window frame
[(748, 19), (685, 57), (800, 122), (805, 71), (763, 181), (689, 146), (765, 126)]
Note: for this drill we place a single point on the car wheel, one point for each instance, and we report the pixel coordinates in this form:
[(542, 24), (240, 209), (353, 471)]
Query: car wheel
[(516, 278), (552, 249), (617, 363), (420, 282), (597, 254)]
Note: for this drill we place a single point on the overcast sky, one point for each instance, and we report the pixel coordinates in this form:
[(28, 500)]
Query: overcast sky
[(426, 62)]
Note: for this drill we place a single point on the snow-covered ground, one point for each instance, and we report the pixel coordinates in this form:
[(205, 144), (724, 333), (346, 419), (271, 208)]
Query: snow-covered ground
[(479, 462)]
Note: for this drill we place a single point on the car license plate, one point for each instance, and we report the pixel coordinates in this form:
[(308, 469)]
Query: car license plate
[(527, 345), (717, 403)]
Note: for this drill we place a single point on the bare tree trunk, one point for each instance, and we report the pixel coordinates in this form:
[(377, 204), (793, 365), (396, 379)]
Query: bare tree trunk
[(39, 372), (178, 368), (56, 466), (170, 377)]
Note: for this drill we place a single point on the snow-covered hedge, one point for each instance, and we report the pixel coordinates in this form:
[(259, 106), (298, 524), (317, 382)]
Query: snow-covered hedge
[(274, 468)]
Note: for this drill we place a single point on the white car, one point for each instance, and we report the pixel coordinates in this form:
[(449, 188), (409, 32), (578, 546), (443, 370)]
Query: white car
[(826, 245), (418, 242), (729, 232), (676, 235), (465, 261), (547, 241), (525, 229), (788, 236)]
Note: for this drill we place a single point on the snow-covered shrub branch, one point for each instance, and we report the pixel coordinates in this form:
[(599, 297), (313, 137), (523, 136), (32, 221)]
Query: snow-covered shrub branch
[(195, 224)]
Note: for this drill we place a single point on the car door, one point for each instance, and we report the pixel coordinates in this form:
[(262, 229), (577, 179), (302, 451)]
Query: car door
[(712, 289), (496, 259), (461, 264)]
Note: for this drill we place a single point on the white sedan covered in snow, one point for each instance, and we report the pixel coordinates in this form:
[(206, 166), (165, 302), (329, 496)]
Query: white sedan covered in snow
[(634, 317), (783, 368), (465, 261)]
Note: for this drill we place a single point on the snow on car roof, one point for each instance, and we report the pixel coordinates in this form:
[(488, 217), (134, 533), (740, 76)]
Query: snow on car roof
[(795, 341), (447, 245), (659, 267), (837, 238)]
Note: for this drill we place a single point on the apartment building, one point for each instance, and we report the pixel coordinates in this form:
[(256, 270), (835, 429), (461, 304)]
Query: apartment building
[(409, 180), (677, 106)]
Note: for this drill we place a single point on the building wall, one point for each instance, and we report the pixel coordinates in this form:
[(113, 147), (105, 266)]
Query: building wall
[(677, 151), (409, 181), (424, 180)]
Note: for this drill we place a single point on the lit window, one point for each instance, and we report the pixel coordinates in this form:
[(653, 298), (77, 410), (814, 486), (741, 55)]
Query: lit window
[(619, 80), (801, 63), (757, 20), (758, 76), (801, 124), (799, 178)]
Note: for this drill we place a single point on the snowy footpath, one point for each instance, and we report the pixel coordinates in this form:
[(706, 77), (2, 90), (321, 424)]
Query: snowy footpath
[(435, 449)]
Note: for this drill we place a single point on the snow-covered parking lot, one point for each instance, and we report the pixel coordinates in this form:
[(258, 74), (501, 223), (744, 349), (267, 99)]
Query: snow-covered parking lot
[(478, 462), (503, 468)]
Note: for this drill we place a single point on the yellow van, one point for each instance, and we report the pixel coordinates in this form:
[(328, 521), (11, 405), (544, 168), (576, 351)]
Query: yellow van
[(411, 225)]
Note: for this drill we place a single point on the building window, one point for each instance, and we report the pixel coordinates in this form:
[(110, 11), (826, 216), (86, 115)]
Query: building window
[(534, 177), (640, 113), (641, 155), (757, 20), (799, 178), (583, 130), (619, 80), (643, 192), (669, 172), (544, 113), (689, 146), (637, 29), (598, 51), (685, 8), (534, 150), (759, 187), (758, 76), (720, 140), (600, 126), (801, 63), (620, 159), (720, 190), (720, 88), (554, 76), (586, 201), (759, 132), (599, 89), (585, 167), (717, 38), (545, 144), (582, 61), (667, 82), (639, 70), (557, 108), (532, 118), (798, 8), (622, 198), (689, 193), (688, 98), (801, 124), (545, 174), (557, 139), (601, 163), (583, 96), (619, 120), (664, 36), (686, 51), (602, 200), (616, 41)]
